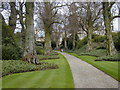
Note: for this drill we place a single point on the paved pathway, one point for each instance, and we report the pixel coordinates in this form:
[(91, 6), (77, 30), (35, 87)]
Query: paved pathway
[(87, 76)]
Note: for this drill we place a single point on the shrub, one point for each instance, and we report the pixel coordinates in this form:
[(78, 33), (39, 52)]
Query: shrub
[(40, 50), (11, 52), (98, 38), (17, 66), (116, 39)]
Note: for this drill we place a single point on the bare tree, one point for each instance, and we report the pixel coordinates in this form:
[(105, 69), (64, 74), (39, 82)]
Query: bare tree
[(89, 13), (48, 14)]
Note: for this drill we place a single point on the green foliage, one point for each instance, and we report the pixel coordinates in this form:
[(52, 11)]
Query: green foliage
[(47, 57), (40, 50), (98, 38), (113, 57), (17, 66), (10, 47), (7, 35), (116, 39), (11, 52), (96, 52)]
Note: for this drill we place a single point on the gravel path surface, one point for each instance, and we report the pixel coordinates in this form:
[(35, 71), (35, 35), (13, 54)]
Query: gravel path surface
[(87, 76)]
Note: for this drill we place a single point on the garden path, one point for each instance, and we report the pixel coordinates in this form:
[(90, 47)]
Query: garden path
[(87, 76)]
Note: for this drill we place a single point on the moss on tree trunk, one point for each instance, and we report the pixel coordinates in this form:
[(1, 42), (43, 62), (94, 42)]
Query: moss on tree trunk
[(107, 22), (30, 52), (47, 46)]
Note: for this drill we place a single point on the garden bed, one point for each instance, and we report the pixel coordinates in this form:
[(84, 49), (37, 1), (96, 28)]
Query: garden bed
[(19, 66)]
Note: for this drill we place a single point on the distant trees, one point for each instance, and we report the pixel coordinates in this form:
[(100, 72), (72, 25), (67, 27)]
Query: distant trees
[(73, 22), (48, 14)]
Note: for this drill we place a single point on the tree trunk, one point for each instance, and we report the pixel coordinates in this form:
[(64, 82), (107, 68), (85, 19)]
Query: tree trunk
[(73, 40), (13, 16), (90, 28), (57, 45), (89, 36), (48, 47), (109, 41), (23, 28), (65, 41), (30, 52)]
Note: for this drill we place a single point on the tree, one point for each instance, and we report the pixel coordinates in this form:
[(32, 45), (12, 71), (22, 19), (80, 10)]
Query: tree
[(13, 16), (22, 22), (89, 14), (30, 52), (107, 15), (48, 15), (73, 22)]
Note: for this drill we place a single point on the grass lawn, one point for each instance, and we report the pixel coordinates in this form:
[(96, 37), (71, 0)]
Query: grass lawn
[(55, 78), (109, 67)]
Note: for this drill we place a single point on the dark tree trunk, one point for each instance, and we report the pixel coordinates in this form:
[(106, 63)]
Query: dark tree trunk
[(13, 16), (65, 41), (23, 27)]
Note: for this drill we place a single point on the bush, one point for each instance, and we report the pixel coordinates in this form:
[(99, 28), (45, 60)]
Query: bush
[(11, 52), (40, 50), (116, 39), (98, 38), (17, 66)]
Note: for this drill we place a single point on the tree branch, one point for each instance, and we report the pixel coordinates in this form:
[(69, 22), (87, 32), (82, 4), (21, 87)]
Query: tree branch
[(118, 16), (57, 7), (97, 15)]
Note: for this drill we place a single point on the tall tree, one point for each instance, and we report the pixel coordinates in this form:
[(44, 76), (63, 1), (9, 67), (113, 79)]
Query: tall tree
[(48, 16), (22, 22), (73, 22), (107, 15), (30, 52), (89, 13)]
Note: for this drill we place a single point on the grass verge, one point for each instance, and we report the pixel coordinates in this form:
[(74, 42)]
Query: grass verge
[(55, 78), (110, 68)]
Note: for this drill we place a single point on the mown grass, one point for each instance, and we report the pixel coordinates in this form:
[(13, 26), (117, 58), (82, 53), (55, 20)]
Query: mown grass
[(55, 78), (109, 67)]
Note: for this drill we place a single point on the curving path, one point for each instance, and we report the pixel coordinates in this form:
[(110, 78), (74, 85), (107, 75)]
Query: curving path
[(87, 76)]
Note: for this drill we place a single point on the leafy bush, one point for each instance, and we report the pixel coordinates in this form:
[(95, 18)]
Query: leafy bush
[(40, 50), (116, 39), (96, 52), (98, 38), (113, 57), (45, 57), (17, 66), (11, 52)]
